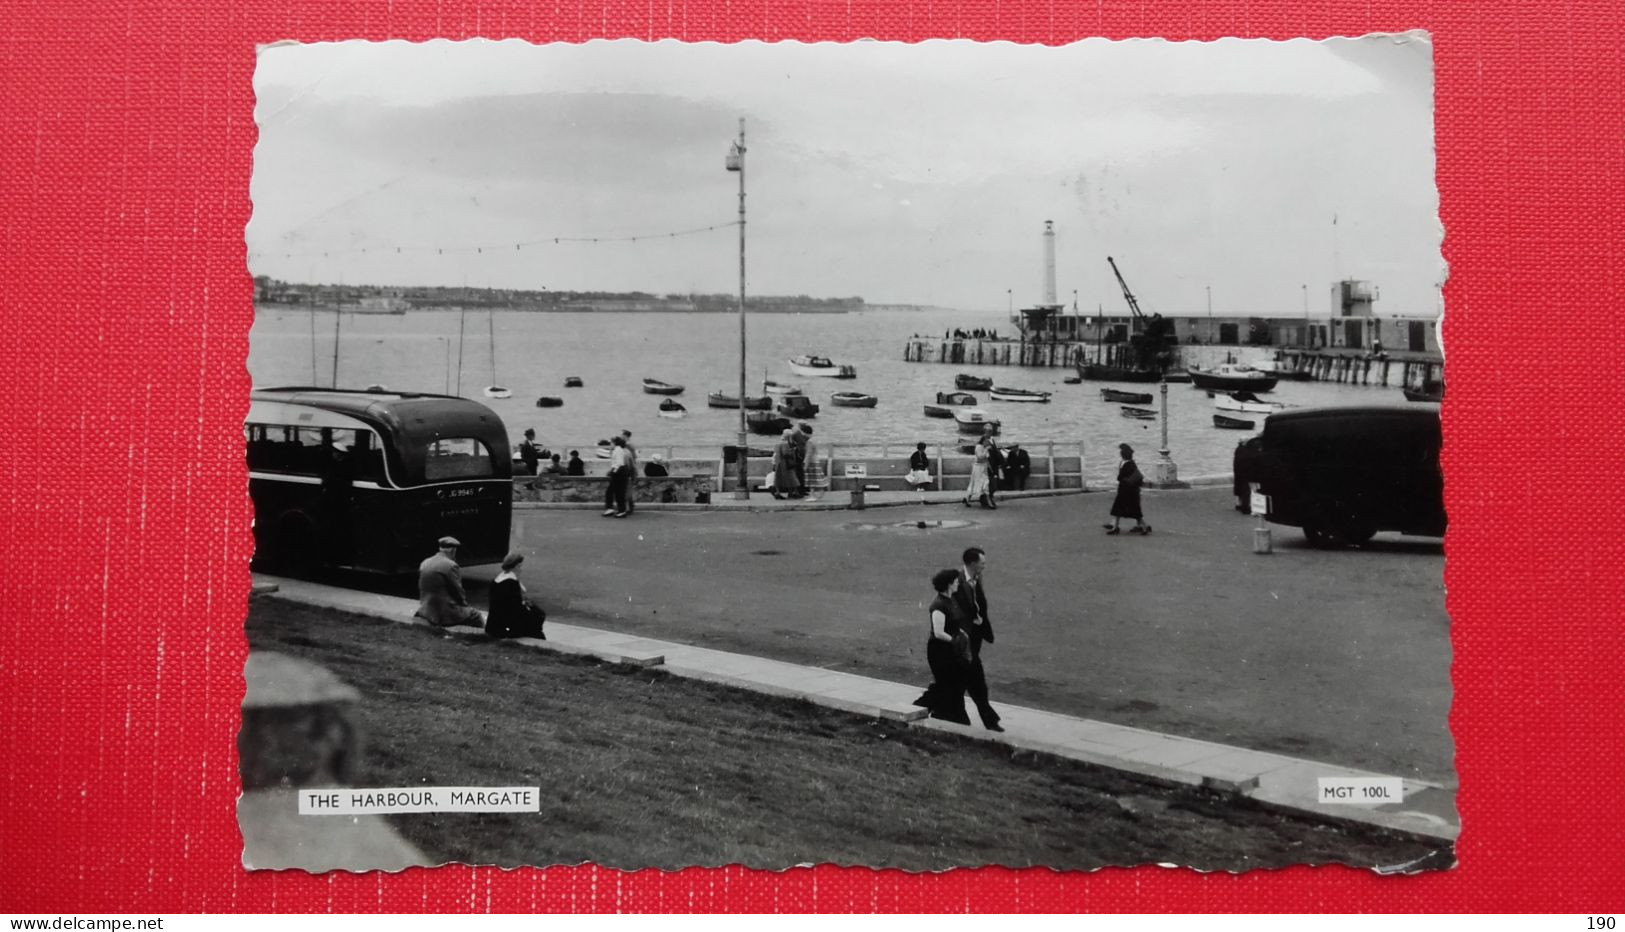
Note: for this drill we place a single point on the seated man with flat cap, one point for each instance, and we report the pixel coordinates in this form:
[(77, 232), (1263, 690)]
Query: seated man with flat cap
[(441, 600)]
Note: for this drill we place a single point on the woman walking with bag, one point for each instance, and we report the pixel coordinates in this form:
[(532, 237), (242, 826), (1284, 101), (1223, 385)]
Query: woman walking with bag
[(947, 651), (1127, 502), (817, 476), (980, 487)]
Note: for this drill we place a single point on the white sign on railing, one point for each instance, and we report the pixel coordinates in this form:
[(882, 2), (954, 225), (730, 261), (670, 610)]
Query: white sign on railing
[(857, 470)]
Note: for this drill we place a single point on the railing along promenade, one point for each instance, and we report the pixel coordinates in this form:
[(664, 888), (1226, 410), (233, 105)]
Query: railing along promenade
[(873, 467)]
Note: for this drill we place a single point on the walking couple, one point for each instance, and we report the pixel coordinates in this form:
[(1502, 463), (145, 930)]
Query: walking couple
[(959, 628)]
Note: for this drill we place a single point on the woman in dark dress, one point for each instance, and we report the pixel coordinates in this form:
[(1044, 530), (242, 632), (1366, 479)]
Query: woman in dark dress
[(512, 615), (947, 651), (1127, 502)]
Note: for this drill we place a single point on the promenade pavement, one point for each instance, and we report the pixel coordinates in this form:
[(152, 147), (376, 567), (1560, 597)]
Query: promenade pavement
[(1337, 656), (1282, 781)]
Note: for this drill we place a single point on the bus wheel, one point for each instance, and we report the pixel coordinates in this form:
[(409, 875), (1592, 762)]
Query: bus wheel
[(296, 544)]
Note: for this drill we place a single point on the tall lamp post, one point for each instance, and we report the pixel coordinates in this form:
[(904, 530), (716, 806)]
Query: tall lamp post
[(1308, 341), (736, 163)]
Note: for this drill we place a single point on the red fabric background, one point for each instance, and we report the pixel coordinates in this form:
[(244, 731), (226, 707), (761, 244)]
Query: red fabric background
[(126, 133)]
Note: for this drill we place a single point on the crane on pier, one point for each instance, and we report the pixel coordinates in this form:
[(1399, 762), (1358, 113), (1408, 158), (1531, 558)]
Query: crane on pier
[(1133, 305), (1151, 342)]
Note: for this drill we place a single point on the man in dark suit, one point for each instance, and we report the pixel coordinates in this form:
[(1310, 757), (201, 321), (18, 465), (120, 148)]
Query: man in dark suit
[(972, 600), (441, 600), (1018, 466)]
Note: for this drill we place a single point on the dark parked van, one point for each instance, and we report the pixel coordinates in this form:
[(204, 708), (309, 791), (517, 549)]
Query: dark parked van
[(1343, 474)]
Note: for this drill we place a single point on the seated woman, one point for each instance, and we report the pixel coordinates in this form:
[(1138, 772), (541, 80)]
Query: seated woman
[(512, 615), (919, 468), (656, 467)]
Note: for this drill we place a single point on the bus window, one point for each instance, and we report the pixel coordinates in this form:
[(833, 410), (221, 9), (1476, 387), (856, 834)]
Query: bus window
[(308, 452), (457, 458), (260, 450), (368, 455)]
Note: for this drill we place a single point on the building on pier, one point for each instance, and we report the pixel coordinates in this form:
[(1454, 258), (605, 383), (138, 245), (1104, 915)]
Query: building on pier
[(1350, 322)]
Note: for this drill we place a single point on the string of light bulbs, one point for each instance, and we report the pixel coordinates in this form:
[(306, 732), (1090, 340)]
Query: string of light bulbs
[(481, 249)]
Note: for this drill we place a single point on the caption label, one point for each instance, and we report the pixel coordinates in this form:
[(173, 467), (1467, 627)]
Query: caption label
[(1361, 791), (389, 800)]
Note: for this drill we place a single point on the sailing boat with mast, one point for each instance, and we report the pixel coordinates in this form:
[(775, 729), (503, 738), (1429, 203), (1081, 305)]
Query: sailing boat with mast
[(494, 390)]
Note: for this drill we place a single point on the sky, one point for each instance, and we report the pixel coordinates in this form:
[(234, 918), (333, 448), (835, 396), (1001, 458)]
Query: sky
[(1227, 175)]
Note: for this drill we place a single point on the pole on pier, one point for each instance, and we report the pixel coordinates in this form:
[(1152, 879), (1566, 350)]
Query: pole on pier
[(736, 163)]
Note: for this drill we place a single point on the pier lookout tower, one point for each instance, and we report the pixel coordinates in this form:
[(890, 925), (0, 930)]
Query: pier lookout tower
[(1037, 319), (1354, 321)]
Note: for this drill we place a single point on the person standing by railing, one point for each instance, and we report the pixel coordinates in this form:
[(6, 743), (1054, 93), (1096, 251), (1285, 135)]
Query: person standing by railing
[(620, 474), (817, 477), (979, 487)]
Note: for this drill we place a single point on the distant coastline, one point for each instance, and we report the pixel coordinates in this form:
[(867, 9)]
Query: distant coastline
[(577, 308)]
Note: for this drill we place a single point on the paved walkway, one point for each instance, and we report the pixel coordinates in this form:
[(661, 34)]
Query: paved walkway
[(1273, 779)]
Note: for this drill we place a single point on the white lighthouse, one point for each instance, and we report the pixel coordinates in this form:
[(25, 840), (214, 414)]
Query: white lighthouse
[(1049, 264)]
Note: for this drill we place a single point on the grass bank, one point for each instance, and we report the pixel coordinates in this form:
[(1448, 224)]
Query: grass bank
[(639, 768)]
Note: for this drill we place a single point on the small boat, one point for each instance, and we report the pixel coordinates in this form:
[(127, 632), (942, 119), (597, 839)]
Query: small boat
[(497, 391), (1096, 372), (797, 406), (1118, 396), (1072, 380), (1429, 392), (720, 400), (781, 388), (375, 387), (548, 401), (947, 401), (1139, 414), (1232, 423), (1233, 377), (853, 400), (763, 422), (657, 387), (1246, 401), (671, 408), (573, 381), (820, 366), (1176, 375), (972, 382), (1000, 393), (975, 421)]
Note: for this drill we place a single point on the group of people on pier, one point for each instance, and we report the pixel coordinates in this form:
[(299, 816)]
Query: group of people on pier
[(533, 455)]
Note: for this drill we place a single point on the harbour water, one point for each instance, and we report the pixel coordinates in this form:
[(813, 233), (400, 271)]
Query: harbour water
[(612, 353)]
